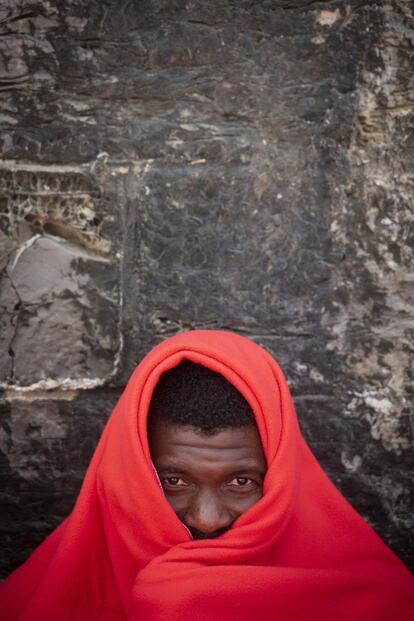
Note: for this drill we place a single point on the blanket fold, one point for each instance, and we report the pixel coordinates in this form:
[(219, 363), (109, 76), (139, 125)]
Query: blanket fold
[(301, 552)]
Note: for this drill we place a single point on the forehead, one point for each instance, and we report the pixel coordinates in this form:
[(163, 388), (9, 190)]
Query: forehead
[(188, 447)]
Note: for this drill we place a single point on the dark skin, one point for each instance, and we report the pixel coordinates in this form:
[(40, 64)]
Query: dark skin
[(209, 480)]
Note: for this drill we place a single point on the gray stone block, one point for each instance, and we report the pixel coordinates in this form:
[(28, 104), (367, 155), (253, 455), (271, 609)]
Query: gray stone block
[(168, 166)]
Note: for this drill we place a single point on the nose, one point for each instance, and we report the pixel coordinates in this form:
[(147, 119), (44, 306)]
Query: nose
[(207, 513)]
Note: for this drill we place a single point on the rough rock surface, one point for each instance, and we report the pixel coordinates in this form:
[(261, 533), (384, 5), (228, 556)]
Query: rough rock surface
[(172, 165)]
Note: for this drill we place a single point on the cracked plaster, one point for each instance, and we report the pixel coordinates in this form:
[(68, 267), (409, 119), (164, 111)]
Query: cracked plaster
[(199, 166)]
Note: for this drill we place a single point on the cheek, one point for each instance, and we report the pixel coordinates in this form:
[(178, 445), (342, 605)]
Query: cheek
[(240, 504), (179, 502)]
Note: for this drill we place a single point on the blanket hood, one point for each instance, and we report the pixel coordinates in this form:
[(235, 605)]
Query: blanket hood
[(300, 552)]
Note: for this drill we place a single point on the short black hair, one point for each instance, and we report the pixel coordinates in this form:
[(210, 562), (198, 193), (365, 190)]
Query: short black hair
[(190, 394)]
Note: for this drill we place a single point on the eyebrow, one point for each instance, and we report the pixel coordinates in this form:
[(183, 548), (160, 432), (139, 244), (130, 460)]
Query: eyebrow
[(236, 472), (166, 469)]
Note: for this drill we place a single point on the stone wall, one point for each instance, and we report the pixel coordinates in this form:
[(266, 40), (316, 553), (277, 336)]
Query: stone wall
[(206, 164)]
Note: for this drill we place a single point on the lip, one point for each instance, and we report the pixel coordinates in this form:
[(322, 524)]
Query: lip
[(200, 536)]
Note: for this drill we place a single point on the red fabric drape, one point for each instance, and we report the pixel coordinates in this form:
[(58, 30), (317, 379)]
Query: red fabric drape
[(300, 553)]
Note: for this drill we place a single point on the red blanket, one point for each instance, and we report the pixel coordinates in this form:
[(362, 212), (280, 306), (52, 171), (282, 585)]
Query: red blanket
[(300, 553)]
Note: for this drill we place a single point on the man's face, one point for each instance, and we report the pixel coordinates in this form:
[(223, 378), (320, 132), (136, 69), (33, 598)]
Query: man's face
[(208, 480)]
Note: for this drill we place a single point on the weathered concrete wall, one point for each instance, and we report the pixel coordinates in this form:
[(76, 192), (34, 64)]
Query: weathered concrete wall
[(172, 165)]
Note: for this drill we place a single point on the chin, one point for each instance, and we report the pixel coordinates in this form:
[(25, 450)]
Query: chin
[(198, 535)]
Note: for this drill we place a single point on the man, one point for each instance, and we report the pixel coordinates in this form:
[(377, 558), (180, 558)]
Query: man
[(206, 449), (203, 502)]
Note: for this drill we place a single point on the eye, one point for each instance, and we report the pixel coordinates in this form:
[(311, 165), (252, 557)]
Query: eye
[(173, 482), (241, 482)]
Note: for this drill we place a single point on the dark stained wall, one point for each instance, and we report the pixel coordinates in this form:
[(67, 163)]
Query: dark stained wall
[(206, 164)]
